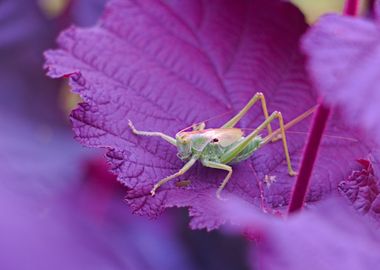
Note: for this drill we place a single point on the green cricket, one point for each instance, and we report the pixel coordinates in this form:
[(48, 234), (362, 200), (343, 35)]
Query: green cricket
[(219, 148)]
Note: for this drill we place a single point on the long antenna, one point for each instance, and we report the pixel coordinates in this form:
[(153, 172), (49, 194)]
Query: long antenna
[(325, 135), (307, 133), (207, 120)]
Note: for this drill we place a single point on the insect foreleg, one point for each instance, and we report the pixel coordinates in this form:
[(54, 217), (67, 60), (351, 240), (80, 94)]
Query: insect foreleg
[(233, 152), (258, 96), (152, 134), (221, 167), (184, 169)]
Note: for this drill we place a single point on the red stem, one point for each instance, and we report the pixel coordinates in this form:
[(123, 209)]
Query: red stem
[(309, 157), (351, 8), (371, 8), (310, 153)]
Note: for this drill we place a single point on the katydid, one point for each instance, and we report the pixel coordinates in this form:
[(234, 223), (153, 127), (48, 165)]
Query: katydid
[(218, 148)]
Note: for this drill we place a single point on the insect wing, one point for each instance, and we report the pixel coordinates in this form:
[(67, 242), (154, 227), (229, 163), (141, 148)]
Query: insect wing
[(200, 139), (228, 136), (225, 137)]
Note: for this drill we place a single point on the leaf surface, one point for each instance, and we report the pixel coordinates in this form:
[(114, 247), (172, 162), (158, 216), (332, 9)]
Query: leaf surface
[(168, 64)]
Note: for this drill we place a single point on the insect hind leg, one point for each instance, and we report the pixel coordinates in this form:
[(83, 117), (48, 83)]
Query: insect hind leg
[(278, 115), (232, 153), (284, 143), (258, 96)]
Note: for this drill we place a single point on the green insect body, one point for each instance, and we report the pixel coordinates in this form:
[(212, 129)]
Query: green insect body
[(212, 144), (218, 148)]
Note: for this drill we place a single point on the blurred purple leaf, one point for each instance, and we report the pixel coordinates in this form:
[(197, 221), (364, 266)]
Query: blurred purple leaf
[(60, 234), (38, 157), (93, 10), (326, 236), (166, 65), (24, 34), (344, 59), (21, 20)]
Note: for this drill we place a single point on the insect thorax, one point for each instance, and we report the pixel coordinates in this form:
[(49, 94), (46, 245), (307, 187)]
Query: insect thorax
[(212, 152)]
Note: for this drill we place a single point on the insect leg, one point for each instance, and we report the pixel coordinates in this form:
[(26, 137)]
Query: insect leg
[(233, 152), (285, 145), (148, 133), (221, 167), (184, 169), (258, 96)]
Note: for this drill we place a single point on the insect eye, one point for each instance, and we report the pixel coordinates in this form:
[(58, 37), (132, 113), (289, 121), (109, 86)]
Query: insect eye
[(215, 140)]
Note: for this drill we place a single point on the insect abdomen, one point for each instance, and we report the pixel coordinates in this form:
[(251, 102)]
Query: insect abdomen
[(248, 151)]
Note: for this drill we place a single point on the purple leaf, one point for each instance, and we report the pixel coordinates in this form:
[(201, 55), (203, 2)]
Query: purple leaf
[(166, 65), (361, 188), (344, 56), (316, 238)]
